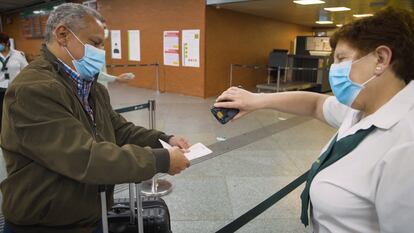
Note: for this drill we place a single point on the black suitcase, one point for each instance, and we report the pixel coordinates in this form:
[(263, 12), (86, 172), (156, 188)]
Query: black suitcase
[(155, 215), (147, 215)]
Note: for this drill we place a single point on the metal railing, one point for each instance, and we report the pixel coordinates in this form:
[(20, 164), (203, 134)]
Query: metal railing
[(155, 186), (268, 69)]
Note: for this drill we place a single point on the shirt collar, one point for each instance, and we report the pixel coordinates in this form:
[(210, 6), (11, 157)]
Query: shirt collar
[(8, 55), (385, 117), (72, 73), (395, 109)]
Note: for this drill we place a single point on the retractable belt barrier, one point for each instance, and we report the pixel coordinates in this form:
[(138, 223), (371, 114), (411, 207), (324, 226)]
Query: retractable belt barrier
[(151, 108), (263, 206), (132, 108), (155, 186), (102, 188)]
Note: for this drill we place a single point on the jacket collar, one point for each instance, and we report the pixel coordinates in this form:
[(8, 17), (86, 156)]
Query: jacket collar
[(58, 65), (52, 59)]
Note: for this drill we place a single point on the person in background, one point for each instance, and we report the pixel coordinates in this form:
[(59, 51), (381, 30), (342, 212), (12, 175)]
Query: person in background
[(104, 78), (62, 140), (11, 63), (363, 180)]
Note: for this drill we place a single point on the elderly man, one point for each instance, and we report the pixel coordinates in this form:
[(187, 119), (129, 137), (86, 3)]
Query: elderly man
[(61, 139)]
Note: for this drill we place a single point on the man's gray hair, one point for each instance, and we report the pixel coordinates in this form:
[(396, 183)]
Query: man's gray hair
[(72, 15)]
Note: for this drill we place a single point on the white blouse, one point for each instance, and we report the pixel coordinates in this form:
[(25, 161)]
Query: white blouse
[(15, 64), (372, 188)]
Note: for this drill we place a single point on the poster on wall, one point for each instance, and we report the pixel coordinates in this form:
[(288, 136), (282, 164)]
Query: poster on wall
[(134, 45), (116, 44), (191, 48), (91, 3), (172, 48)]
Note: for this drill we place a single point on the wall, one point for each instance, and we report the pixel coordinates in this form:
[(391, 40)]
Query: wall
[(152, 17), (31, 47), (237, 38)]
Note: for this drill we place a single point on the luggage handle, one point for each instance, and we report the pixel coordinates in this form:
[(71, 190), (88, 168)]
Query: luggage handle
[(140, 223), (104, 209)]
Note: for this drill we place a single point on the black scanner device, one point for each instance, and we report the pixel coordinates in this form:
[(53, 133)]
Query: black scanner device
[(224, 115)]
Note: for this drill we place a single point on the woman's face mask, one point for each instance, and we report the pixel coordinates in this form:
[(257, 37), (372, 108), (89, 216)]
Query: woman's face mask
[(344, 89), (2, 47), (91, 63)]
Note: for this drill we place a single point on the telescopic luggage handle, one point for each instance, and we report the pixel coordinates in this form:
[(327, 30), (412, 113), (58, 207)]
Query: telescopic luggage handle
[(104, 209), (140, 222)]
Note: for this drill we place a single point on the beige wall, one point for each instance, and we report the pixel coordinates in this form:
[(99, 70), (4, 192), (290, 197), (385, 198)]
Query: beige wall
[(238, 38)]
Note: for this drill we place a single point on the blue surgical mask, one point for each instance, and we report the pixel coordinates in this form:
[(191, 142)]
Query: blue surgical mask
[(91, 63), (344, 89), (2, 47)]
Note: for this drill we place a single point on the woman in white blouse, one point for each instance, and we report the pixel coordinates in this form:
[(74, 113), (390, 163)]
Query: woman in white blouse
[(371, 189)]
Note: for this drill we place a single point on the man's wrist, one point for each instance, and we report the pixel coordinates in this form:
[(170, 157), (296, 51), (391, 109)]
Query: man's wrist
[(166, 138), (162, 160)]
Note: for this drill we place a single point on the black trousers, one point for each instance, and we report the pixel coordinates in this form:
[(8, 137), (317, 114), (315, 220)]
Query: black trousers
[(2, 92)]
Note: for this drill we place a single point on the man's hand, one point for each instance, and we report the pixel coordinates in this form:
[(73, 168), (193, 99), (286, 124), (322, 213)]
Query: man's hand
[(179, 142), (178, 161)]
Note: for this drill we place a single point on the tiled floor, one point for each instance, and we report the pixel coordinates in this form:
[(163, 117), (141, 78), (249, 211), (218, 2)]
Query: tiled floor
[(210, 194)]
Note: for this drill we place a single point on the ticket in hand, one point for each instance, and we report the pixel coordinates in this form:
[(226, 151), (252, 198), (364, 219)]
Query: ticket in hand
[(195, 151)]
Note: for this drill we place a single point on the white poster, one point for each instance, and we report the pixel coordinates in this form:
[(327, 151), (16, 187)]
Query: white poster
[(172, 48), (134, 45), (191, 48), (116, 44)]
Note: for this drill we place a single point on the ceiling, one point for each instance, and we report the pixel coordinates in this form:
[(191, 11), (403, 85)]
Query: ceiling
[(287, 11), (281, 10), (9, 5)]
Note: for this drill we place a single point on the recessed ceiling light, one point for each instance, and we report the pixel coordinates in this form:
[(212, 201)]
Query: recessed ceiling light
[(308, 2), (324, 22), (339, 25), (38, 12), (341, 8), (363, 15)]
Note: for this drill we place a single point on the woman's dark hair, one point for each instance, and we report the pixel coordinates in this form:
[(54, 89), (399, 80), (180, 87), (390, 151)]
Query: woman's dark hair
[(4, 38), (392, 27)]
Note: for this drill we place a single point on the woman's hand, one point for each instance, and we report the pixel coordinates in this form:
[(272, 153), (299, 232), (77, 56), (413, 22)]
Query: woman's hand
[(241, 99), (125, 77)]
